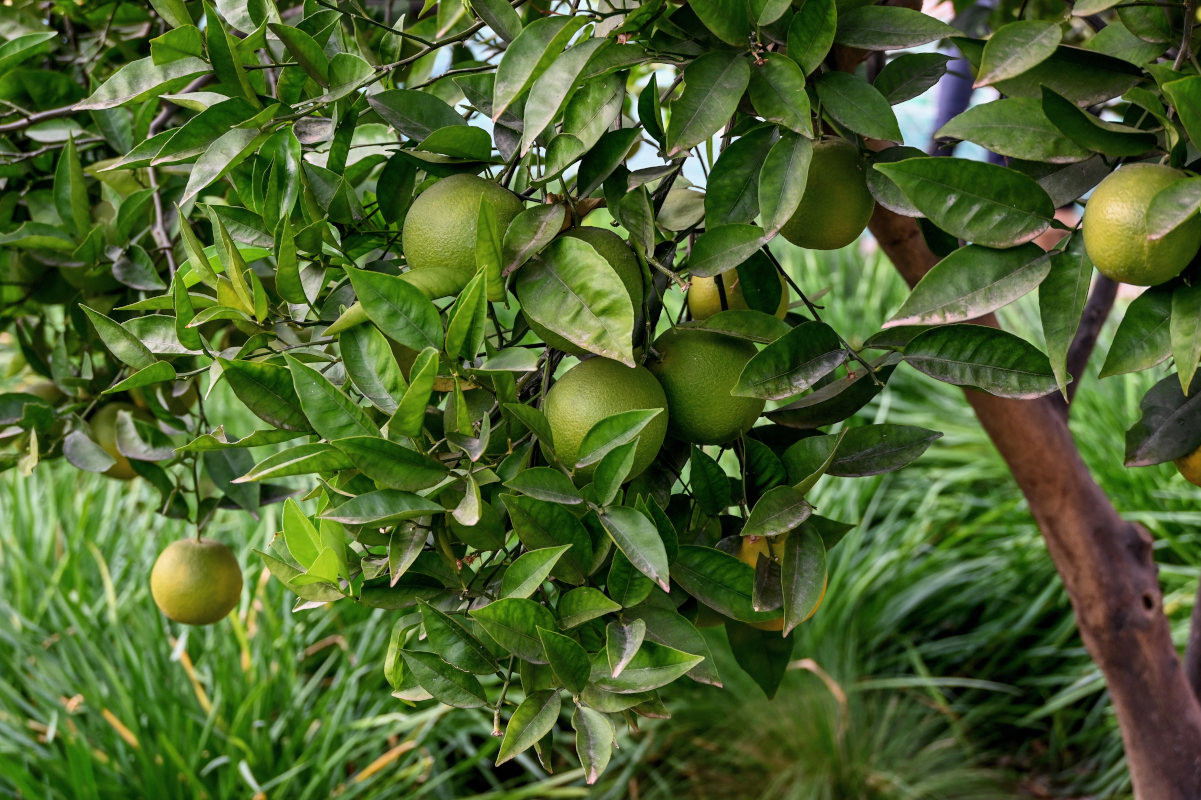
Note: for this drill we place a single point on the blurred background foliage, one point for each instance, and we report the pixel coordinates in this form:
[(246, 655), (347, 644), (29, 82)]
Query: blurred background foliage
[(944, 663)]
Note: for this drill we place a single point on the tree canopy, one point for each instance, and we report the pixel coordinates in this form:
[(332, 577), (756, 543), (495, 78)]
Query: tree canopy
[(209, 211)]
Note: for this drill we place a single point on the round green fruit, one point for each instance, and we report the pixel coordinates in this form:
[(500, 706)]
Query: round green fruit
[(196, 581), (698, 370), (598, 388), (1115, 228), (440, 228), (837, 204)]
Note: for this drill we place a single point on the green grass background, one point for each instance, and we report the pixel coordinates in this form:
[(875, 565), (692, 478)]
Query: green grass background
[(943, 664)]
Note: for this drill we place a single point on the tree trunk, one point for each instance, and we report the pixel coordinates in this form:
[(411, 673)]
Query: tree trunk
[(1105, 563)]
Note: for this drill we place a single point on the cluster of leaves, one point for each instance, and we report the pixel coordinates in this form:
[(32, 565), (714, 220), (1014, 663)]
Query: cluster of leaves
[(202, 195)]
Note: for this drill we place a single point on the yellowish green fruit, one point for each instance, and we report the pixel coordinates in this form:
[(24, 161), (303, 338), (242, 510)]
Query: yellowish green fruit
[(621, 258), (1115, 228), (698, 370), (599, 388), (837, 204), (704, 300), (748, 553), (440, 228), (196, 581), (1190, 467), (104, 430), (773, 547)]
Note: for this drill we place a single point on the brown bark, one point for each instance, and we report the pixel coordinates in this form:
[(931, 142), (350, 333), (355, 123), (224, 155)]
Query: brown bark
[(1105, 563)]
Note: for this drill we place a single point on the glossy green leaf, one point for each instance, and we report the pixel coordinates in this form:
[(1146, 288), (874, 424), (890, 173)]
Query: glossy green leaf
[(732, 192), (713, 85), (782, 182), (399, 309), (529, 232), (875, 449), (1017, 127), (1143, 338), (612, 432), (410, 412), (888, 28), (855, 103), (382, 508), (1061, 299), (415, 114), (549, 93), (792, 363), (802, 574), (811, 33), (982, 203), (568, 660), (724, 248), (594, 741), (1172, 207), (1185, 95), (1017, 47), (573, 291), (1169, 426), (1185, 332), (988, 359), (777, 91), (513, 623), (972, 282), (527, 573), (622, 642), (545, 483), (653, 666), (528, 56), (909, 75), (727, 19), (639, 540), (305, 459), (1091, 133), (267, 390), (719, 580), (451, 640), (390, 464), (540, 525), (532, 720), (119, 341), (448, 684), (329, 410), (581, 604), (778, 511)]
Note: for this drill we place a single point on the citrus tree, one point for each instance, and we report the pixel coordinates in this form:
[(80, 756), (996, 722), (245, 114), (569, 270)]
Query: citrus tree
[(438, 254)]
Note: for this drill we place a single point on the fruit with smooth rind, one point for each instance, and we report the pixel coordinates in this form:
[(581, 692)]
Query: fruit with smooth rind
[(598, 388), (836, 204), (440, 229), (704, 300), (1115, 228), (196, 581), (698, 370)]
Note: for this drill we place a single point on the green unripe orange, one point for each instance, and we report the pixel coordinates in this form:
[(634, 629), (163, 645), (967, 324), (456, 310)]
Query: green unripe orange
[(837, 204), (440, 228), (1115, 228), (599, 388), (196, 581), (704, 300), (698, 370)]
